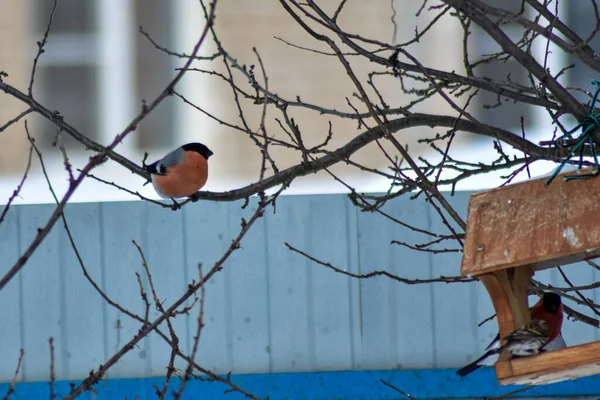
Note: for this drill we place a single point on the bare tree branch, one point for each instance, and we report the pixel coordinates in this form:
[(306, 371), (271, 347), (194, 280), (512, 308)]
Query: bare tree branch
[(20, 185), (441, 279)]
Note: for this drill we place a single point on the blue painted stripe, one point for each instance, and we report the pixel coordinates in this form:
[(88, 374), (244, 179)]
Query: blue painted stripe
[(422, 384)]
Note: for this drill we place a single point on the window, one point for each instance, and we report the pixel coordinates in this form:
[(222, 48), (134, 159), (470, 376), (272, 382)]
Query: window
[(97, 69), (153, 69), (66, 78)]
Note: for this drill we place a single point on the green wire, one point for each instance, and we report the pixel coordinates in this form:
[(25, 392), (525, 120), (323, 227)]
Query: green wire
[(588, 125)]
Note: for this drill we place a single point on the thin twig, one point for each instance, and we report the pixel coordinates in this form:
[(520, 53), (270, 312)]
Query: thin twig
[(20, 185), (41, 50), (144, 297), (441, 279), (262, 128), (15, 119), (13, 382), (403, 393), (581, 296), (200, 325), (137, 194), (159, 307), (52, 374)]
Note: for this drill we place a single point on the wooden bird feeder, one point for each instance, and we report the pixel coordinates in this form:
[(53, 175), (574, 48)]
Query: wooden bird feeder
[(519, 229)]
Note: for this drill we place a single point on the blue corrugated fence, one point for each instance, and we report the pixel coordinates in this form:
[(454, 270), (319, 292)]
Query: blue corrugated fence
[(269, 310)]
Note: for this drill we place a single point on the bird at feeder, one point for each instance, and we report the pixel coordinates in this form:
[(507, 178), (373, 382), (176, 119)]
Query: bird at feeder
[(528, 340), (548, 309)]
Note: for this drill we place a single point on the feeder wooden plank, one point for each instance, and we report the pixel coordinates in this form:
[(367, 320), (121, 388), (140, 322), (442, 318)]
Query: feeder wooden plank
[(508, 291), (554, 366), (530, 223)]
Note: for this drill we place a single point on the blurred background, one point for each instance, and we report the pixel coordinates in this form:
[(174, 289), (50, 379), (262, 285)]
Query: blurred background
[(98, 70)]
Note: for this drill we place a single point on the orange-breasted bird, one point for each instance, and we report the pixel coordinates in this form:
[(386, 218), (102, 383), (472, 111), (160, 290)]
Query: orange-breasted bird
[(548, 309), (182, 172)]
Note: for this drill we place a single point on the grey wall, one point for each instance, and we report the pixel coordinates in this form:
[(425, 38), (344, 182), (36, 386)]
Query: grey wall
[(269, 310)]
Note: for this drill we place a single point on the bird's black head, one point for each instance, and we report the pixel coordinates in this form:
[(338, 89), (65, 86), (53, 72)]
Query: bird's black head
[(551, 302), (198, 148)]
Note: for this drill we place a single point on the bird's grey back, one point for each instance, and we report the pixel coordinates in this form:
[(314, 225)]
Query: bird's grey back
[(173, 158)]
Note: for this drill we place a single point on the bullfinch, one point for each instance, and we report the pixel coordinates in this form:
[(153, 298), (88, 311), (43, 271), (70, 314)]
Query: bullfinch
[(528, 340), (182, 172), (549, 309)]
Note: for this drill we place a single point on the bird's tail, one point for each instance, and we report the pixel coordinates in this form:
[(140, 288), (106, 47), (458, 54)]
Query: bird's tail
[(475, 364), (494, 343), (468, 369)]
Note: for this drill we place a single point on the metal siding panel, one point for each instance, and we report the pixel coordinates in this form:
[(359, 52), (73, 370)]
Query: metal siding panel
[(329, 291), (41, 295), (246, 273), (123, 222), (82, 307), (163, 247), (484, 309), (10, 296), (454, 318), (354, 287), (291, 341), (378, 318), (412, 304), (207, 237)]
